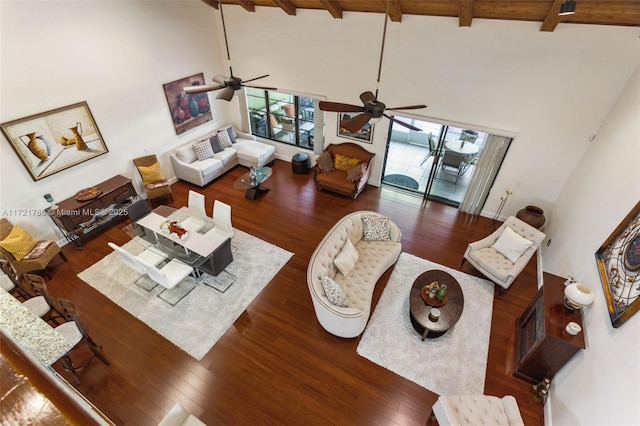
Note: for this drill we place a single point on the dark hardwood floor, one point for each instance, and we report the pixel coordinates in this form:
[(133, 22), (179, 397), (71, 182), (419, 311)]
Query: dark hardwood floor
[(277, 365)]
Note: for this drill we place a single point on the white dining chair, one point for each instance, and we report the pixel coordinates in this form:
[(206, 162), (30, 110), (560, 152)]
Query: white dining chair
[(151, 256), (170, 274), (198, 215), (222, 222)]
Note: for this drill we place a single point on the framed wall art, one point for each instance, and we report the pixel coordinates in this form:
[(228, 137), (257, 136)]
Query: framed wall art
[(363, 135), (619, 266), (55, 140), (187, 111)]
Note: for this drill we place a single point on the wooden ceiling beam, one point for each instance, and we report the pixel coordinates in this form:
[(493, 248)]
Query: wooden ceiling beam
[(466, 13), (552, 19), (287, 6), (333, 7), (395, 11), (248, 5)]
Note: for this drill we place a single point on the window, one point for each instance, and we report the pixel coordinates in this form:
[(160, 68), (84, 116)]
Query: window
[(281, 116)]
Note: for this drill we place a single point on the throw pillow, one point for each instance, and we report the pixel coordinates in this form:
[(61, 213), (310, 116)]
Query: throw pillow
[(18, 242), (186, 154), (345, 163), (347, 258), (273, 121), (225, 140), (511, 244), (216, 146), (289, 109), (376, 228), (203, 150), (151, 173), (325, 163), (334, 292), (355, 173), (232, 134)]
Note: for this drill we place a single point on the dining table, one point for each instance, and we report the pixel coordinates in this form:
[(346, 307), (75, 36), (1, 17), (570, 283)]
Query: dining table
[(31, 332), (462, 147)]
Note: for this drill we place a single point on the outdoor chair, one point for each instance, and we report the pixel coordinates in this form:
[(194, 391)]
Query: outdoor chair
[(155, 184), (454, 161)]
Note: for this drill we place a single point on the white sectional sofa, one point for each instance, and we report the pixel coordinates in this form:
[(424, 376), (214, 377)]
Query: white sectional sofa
[(374, 258), (245, 151)]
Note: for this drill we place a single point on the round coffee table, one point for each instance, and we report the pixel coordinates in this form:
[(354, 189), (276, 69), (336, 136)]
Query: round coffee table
[(419, 310)]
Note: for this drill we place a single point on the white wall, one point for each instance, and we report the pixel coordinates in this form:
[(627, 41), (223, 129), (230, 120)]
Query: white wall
[(114, 55), (601, 191), (552, 89)]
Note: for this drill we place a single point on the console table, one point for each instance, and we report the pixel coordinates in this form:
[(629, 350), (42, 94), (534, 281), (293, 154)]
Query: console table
[(81, 220), (542, 346)]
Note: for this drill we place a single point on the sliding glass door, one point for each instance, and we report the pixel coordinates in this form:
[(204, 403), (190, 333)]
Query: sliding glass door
[(438, 163)]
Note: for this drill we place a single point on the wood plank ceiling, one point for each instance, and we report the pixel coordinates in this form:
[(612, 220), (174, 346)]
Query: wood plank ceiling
[(597, 12)]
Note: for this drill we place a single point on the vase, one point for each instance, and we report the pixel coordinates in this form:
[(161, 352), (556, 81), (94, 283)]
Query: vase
[(532, 215), (193, 106), (40, 150)]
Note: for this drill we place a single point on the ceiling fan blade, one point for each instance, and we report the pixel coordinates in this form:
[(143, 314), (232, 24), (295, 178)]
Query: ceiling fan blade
[(226, 94), (256, 78), (260, 87), (407, 107), (219, 78), (201, 89), (366, 97), (338, 107), (356, 123), (402, 123)]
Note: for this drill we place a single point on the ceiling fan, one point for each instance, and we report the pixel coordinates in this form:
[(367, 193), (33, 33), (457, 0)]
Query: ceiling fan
[(228, 84), (371, 107)]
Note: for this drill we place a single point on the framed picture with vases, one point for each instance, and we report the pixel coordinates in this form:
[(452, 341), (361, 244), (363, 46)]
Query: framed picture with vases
[(55, 140), (363, 135), (619, 265), (187, 111)]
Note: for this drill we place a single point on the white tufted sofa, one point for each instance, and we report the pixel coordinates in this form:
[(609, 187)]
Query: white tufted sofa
[(375, 257), (472, 410)]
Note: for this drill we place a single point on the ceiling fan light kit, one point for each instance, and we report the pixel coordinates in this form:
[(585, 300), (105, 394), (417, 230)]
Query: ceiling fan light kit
[(228, 85), (567, 8), (372, 110)]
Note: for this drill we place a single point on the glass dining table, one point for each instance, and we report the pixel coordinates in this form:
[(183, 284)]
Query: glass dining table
[(195, 249)]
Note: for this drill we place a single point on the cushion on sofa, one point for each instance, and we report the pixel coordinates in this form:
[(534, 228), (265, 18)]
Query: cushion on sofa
[(376, 228), (325, 163), (225, 140), (344, 163), (203, 150), (254, 152), (19, 242), (347, 258), (511, 245), (209, 166), (354, 174), (216, 146), (186, 154), (334, 292), (151, 173)]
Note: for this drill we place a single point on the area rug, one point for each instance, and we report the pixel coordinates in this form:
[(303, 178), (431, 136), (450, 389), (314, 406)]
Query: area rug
[(402, 180), (197, 321), (454, 363)]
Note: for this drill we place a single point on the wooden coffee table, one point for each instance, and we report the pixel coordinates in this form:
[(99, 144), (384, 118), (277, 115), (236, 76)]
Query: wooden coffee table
[(419, 310)]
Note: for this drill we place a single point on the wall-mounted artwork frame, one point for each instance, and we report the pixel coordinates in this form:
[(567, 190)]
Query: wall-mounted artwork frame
[(363, 135), (187, 111), (55, 140), (618, 262)]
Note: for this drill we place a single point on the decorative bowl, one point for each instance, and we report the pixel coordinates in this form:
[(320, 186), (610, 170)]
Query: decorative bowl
[(577, 296)]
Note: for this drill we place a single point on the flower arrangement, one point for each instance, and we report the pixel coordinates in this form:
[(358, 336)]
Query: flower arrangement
[(173, 228)]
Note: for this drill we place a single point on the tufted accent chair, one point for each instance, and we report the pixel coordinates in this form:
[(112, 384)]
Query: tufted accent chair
[(375, 257), (494, 265), (475, 410)]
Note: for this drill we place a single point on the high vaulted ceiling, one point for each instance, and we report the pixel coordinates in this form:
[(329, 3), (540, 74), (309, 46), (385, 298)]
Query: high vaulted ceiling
[(599, 12)]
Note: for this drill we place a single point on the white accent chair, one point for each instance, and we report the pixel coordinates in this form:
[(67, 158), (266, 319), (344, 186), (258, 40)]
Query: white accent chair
[(458, 410), (179, 416), (222, 222), (494, 264), (198, 219)]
